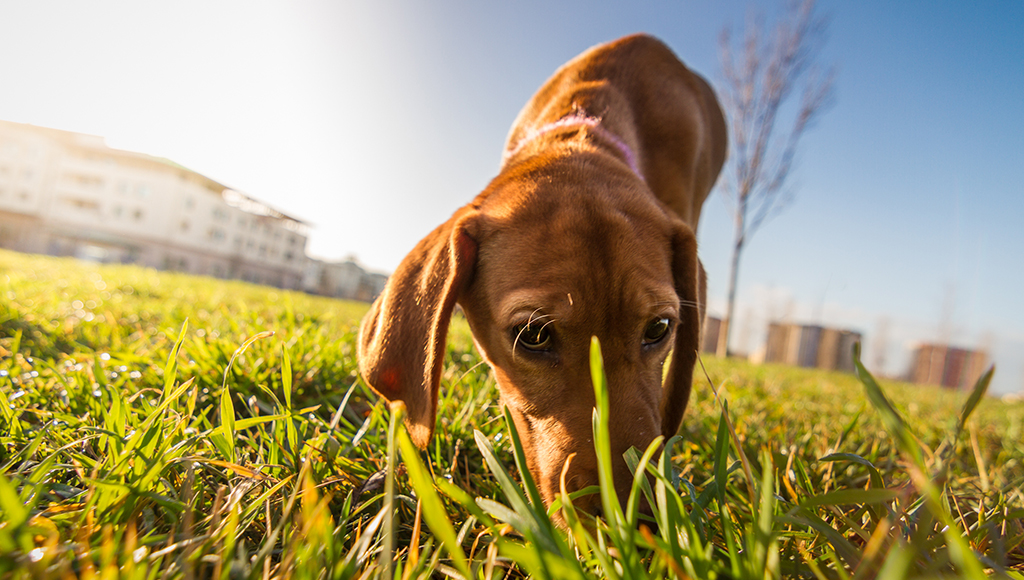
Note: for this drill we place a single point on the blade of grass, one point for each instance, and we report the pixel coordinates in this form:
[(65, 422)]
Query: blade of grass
[(433, 507), (171, 368), (524, 472), (851, 496), (740, 454), (602, 440), (977, 394), (286, 386), (527, 521), (387, 554), (761, 540), (621, 530), (640, 487), (227, 421), (891, 418), (875, 475)]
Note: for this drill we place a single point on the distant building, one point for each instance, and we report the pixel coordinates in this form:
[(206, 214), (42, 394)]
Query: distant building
[(709, 338), (951, 367), (69, 194), (811, 346), (345, 279)]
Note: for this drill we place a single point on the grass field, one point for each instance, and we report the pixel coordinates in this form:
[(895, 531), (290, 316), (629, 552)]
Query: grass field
[(156, 425)]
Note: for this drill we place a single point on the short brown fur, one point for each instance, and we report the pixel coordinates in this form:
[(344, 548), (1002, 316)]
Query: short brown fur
[(570, 236)]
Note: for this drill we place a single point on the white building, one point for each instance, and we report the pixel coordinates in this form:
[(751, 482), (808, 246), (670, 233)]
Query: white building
[(68, 194), (345, 279)]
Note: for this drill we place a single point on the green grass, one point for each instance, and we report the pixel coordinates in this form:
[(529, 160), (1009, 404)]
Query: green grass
[(156, 425)]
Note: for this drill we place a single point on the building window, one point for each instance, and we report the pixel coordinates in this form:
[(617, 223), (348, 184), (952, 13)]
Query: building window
[(184, 226), (79, 179), (190, 202), (122, 187), (138, 214), (74, 202), (117, 211), (142, 190), (215, 234)]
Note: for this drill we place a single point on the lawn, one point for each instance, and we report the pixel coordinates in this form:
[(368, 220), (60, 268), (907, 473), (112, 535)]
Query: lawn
[(158, 425)]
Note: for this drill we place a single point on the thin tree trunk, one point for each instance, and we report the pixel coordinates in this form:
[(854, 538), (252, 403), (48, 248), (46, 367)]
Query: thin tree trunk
[(722, 348), (760, 76)]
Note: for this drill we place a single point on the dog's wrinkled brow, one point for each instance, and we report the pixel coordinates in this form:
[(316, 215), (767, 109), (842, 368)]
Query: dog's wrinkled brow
[(528, 305), (664, 303)]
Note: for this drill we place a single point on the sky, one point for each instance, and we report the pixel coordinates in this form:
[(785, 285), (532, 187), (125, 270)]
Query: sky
[(375, 120)]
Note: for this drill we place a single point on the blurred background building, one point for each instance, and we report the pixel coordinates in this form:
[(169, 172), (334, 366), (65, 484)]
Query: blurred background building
[(811, 346), (709, 338), (804, 345), (947, 366), (69, 194), (345, 279), (815, 346)]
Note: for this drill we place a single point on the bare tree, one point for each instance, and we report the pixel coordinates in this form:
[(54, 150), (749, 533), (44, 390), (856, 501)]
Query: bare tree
[(761, 75)]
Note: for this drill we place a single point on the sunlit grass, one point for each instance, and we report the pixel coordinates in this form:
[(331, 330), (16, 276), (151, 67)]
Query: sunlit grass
[(160, 425)]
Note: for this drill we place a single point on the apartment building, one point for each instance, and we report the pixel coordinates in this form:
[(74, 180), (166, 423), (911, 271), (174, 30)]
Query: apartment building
[(69, 194), (811, 346), (947, 366)]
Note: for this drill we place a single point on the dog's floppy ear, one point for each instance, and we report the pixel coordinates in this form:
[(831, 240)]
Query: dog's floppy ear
[(691, 288), (402, 339)]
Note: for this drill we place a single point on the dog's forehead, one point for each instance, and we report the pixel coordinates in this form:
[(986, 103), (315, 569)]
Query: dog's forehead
[(570, 236), (565, 267), (549, 236)]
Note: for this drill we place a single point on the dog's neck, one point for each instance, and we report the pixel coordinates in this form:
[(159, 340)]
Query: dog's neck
[(576, 119)]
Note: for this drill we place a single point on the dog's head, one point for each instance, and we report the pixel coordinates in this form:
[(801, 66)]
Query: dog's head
[(543, 260)]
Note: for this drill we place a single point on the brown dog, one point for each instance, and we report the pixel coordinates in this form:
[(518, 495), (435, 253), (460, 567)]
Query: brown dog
[(588, 230)]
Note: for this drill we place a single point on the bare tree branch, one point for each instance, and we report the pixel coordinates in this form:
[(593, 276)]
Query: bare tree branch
[(758, 81)]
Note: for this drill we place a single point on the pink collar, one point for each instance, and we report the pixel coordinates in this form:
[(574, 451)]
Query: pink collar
[(578, 119)]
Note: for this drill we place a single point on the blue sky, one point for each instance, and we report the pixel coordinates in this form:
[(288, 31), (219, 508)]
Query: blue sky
[(376, 120)]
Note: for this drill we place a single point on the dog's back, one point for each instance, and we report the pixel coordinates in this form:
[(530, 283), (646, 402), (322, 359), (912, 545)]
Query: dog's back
[(643, 93)]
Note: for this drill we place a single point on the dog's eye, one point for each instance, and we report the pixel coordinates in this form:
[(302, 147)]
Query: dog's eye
[(656, 330), (534, 336)]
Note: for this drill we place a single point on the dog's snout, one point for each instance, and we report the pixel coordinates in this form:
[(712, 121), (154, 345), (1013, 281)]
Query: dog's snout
[(578, 480), (590, 504)]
